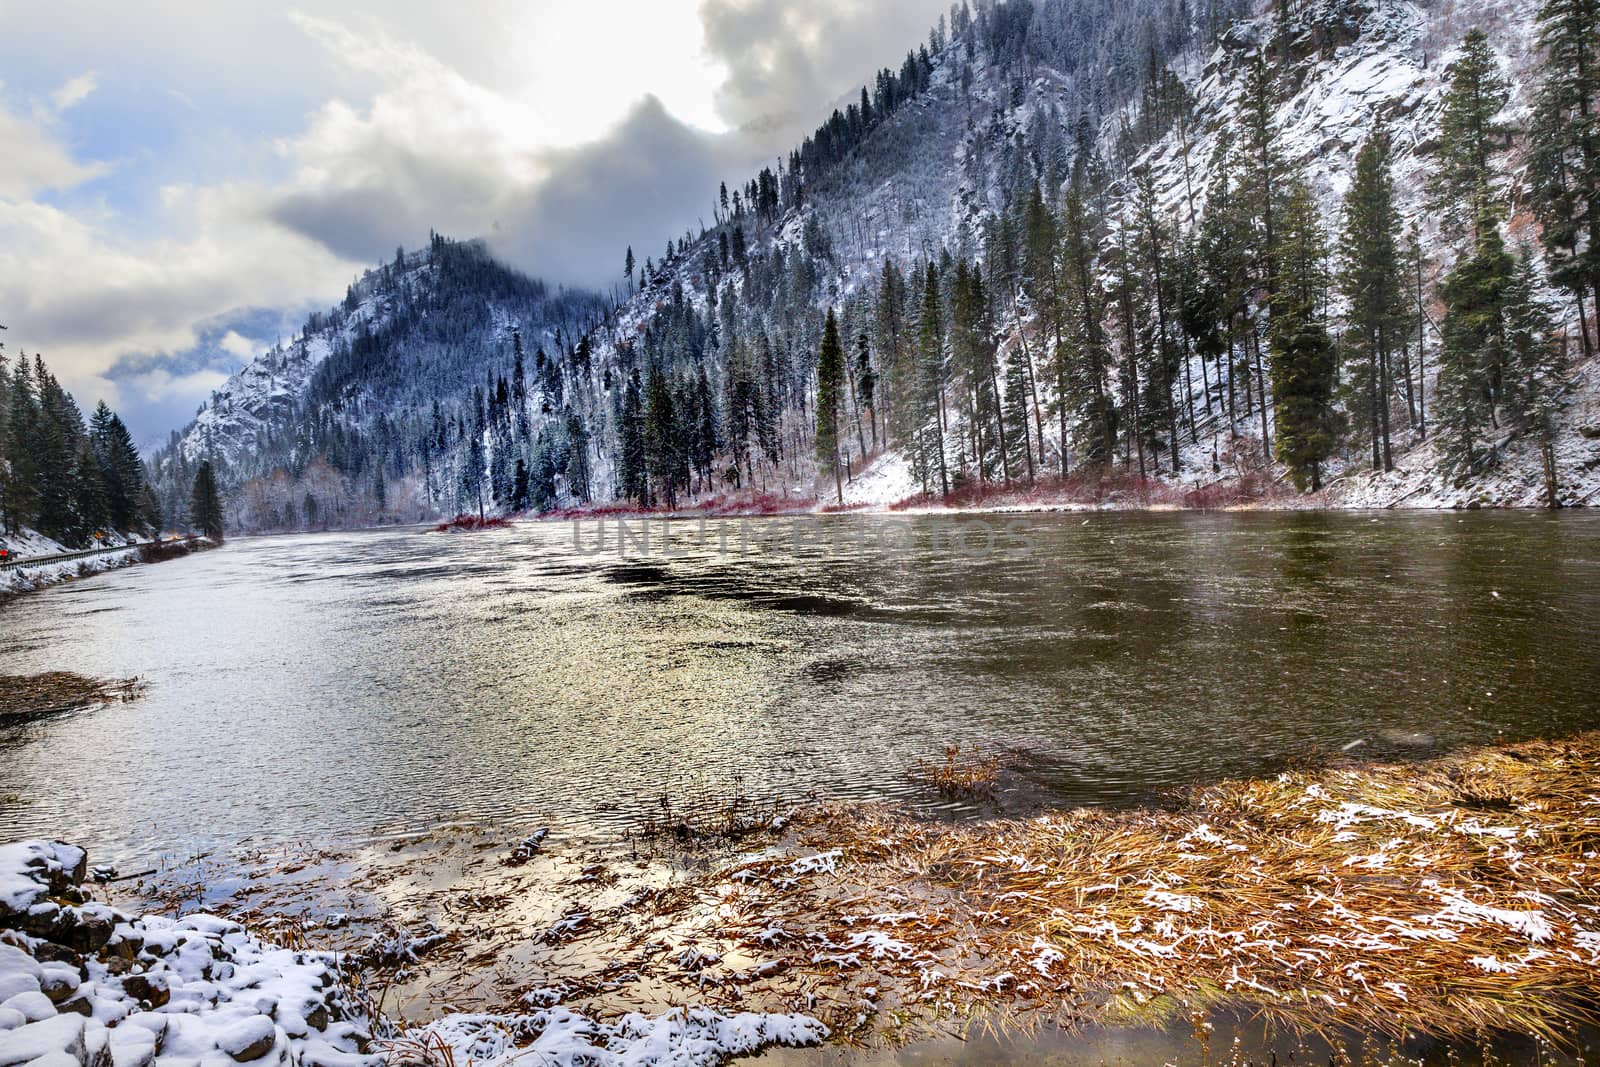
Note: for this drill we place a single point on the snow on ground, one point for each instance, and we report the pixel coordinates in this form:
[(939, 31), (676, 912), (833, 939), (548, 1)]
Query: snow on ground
[(886, 480), (683, 1037), (1517, 481), (84, 984), (28, 543)]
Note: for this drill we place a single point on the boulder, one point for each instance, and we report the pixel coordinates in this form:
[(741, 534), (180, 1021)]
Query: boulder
[(62, 1035), (15, 982), (248, 1039), (150, 990), (132, 1046), (33, 871), (59, 982), (34, 1006)]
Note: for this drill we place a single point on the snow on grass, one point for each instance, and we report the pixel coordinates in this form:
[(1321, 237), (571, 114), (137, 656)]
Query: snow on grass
[(1370, 897)]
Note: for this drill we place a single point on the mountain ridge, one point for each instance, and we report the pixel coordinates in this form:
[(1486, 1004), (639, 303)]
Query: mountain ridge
[(930, 166)]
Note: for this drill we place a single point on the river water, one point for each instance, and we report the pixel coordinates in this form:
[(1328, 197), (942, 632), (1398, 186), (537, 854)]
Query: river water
[(322, 685)]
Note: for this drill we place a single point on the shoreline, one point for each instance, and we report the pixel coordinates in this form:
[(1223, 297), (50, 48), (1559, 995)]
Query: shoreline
[(23, 579), (801, 508), (1454, 900)]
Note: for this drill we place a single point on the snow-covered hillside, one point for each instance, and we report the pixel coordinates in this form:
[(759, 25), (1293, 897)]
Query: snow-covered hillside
[(232, 421), (405, 400), (317, 413)]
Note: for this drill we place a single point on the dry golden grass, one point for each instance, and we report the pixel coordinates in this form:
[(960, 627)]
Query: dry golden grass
[(965, 772), (36, 694), (1455, 897)]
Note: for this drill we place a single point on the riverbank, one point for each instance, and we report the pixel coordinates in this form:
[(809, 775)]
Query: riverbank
[(27, 578), (1457, 899), (1116, 491)]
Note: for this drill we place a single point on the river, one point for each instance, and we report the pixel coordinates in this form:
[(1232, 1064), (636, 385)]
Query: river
[(327, 684)]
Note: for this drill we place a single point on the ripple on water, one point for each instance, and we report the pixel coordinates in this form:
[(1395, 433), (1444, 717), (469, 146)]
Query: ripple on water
[(323, 684)]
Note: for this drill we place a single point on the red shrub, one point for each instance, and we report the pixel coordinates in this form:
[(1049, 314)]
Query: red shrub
[(471, 522)]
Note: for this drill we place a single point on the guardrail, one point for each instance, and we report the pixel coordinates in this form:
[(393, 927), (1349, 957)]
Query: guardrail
[(67, 557)]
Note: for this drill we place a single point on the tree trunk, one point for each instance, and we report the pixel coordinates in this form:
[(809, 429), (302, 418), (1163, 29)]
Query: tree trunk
[(1261, 392), (1000, 421), (1548, 453), (1385, 388)]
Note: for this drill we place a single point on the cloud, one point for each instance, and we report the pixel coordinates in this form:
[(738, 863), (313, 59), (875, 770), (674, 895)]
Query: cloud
[(647, 181), (34, 161), (74, 92), (431, 149), (238, 345), (84, 297), (786, 62)]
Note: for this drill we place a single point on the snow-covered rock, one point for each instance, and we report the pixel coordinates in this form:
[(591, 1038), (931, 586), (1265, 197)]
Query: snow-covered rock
[(200, 991), (88, 985)]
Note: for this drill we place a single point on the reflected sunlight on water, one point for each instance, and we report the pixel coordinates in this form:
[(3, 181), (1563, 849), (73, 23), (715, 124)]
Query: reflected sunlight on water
[(324, 684)]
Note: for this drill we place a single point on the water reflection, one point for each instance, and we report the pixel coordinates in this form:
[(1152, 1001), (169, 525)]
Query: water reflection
[(324, 684)]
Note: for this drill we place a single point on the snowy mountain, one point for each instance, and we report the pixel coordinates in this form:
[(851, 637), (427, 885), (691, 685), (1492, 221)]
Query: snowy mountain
[(316, 413), (924, 204)]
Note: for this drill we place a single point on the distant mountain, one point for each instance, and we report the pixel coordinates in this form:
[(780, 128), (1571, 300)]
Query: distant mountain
[(1046, 238), (353, 401)]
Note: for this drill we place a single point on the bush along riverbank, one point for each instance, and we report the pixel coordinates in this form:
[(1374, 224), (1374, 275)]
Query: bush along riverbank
[(1453, 900)]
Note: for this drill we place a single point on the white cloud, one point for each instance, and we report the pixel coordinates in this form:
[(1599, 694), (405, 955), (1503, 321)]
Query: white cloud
[(33, 160), (75, 291), (74, 92), (787, 62), (238, 345)]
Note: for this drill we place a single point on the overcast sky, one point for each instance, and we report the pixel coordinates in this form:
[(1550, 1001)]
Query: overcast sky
[(179, 186)]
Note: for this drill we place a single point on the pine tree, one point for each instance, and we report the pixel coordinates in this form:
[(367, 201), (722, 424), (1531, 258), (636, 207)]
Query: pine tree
[(1218, 307), (21, 489), (1304, 361), (1154, 239), (1014, 411), (895, 356), (972, 341), (1261, 188), (1564, 141), (662, 445), (867, 382), (205, 504), (90, 511), (154, 520), (1082, 363), (1532, 368), (1461, 179), (632, 473), (1474, 343), (120, 468), (1372, 282), (579, 475), (830, 384), (519, 487), (930, 381), (59, 429), (472, 472), (1262, 166), (5, 436)]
